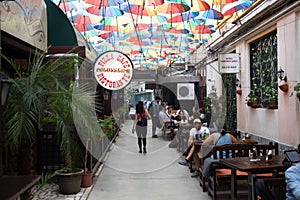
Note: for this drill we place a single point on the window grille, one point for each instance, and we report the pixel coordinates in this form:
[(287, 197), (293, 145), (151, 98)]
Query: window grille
[(263, 68)]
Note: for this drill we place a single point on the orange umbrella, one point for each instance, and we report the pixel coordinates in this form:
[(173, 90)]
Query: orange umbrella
[(220, 2), (169, 8), (199, 5)]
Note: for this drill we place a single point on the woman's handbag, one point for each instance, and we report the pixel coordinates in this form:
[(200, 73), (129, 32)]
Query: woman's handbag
[(142, 122)]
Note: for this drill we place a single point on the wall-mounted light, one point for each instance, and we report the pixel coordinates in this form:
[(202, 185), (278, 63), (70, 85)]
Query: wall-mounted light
[(281, 75), (238, 83), (283, 85)]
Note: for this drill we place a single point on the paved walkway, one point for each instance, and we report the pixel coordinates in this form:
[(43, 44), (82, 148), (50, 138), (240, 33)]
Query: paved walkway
[(126, 174)]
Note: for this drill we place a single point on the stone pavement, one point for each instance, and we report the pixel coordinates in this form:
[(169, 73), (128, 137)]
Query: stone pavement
[(127, 174)]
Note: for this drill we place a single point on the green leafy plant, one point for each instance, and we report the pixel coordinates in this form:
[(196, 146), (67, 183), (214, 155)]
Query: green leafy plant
[(270, 94), (108, 125), (296, 89), (252, 97), (44, 92)]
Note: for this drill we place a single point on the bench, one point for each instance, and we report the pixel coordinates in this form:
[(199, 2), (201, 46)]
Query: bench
[(231, 150), (11, 187)]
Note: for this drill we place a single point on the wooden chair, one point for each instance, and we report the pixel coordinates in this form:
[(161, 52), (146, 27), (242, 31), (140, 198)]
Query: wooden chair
[(275, 184)]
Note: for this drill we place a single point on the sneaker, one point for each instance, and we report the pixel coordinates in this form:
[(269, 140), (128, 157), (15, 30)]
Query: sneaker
[(195, 174), (183, 162), (154, 136)]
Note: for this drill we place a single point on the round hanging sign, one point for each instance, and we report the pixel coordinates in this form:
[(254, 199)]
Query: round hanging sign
[(113, 70)]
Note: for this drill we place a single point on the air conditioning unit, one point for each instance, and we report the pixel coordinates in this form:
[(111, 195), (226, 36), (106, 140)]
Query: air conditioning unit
[(185, 91)]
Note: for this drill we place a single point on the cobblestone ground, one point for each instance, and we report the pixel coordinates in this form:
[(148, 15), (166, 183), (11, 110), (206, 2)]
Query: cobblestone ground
[(50, 191)]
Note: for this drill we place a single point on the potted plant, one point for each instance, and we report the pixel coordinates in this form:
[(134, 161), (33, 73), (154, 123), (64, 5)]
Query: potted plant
[(252, 100), (108, 125), (296, 89), (41, 92), (270, 97)]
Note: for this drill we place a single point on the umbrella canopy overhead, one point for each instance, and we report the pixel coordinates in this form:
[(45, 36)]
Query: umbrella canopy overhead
[(149, 31)]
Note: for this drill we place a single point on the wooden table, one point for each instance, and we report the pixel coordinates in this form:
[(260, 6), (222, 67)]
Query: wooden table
[(244, 164)]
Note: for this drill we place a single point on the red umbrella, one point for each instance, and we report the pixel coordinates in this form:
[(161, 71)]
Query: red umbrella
[(84, 27), (87, 19), (183, 17), (231, 8)]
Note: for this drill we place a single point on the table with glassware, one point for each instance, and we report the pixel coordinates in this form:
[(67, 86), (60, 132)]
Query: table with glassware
[(244, 164)]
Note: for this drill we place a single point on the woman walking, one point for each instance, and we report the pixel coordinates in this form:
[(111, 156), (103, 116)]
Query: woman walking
[(140, 125)]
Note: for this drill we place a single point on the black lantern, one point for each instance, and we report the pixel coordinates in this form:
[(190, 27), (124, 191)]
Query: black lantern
[(5, 87), (281, 75)]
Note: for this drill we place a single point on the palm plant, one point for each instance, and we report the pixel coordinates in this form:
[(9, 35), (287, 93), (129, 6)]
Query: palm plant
[(41, 91)]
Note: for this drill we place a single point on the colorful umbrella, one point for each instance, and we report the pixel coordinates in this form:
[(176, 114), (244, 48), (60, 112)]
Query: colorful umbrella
[(211, 14), (231, 8), (105, 3), (138, 10), (107, 28), (84, 27), (152, 19), (105, 11), (147, 2), (182, 31), (183, 17), (220, 2), (171, 8), (190, 23), (198, 5), (72, 5), (87, 19)]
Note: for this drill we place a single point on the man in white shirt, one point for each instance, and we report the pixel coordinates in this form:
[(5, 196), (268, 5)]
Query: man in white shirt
[(196, 134)]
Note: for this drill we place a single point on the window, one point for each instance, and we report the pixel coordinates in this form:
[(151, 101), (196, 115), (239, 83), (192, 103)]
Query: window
[(263, 69)]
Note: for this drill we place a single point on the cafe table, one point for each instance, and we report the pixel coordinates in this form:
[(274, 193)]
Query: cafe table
[(252, 167)]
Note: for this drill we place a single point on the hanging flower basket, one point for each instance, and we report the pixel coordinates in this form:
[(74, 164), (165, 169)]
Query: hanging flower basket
[(283, 86), (271, 104), (253, 104), (239, 91)]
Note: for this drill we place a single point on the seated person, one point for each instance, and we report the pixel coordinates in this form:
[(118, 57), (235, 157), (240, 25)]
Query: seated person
[(215, 139), (164, 117), (181, 117), (195, 134), (292, 180)]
